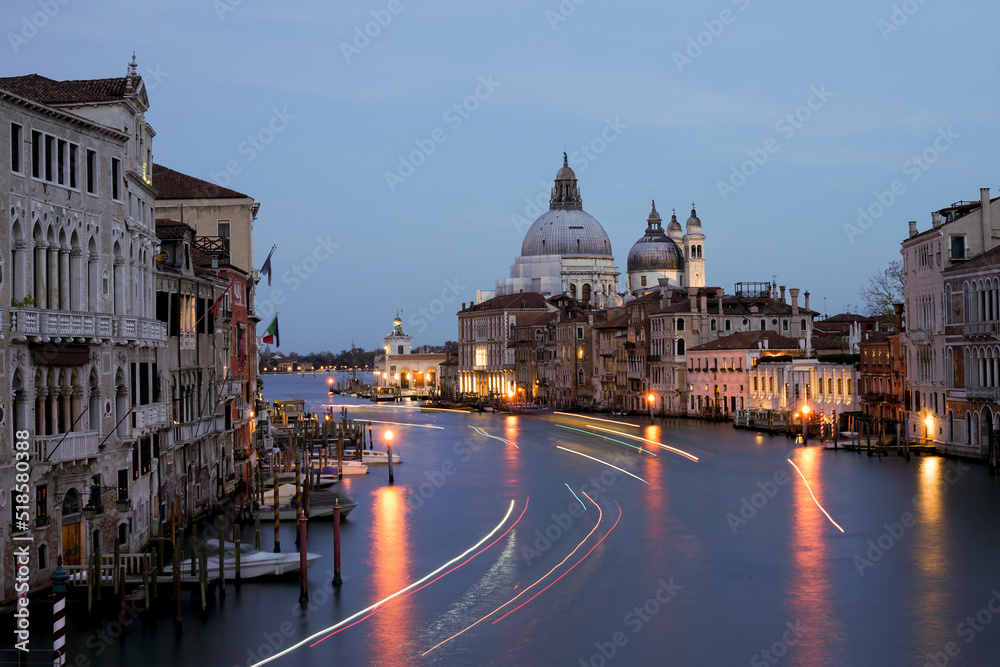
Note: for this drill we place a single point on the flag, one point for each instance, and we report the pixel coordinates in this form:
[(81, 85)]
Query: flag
[(218, 302), (266, 269), (271, 333)]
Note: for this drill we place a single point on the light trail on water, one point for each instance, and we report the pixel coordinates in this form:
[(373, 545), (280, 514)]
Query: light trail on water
[(652, 442), (814, 496), (482, 432), (600, 516), (620, 442), (592, 458), (376, 421), (596, 419), (570, 568), (576, 496), (365, 611)]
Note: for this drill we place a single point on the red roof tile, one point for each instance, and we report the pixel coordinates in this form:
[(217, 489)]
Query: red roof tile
[(175, 185), (49, 91)]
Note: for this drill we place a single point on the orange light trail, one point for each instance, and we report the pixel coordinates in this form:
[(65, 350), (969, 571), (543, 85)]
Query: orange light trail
[(417, 590), (814, 496), (375, 421), (567, 571), (365, 611), (652, 442), (573, 451), (568, 556), (597, 419)]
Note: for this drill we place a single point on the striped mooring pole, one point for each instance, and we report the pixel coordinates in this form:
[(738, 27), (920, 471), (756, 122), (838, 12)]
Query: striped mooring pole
[(59, 577)]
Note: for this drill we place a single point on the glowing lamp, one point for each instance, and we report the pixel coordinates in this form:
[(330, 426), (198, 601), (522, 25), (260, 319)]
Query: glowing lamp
[(388, 436), (929, 422)]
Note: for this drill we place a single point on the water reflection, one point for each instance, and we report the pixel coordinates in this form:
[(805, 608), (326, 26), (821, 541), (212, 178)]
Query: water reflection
[(511, 456), (931, 592), (810, 593), (390, 565)]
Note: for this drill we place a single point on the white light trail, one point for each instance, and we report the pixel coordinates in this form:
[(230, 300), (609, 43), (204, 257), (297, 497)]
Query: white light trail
[(482, 432), (814, 496), (573, 451), (394, 595)]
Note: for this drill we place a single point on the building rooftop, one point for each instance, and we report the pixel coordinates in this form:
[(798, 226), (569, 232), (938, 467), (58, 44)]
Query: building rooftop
[(749, 340), (173, 184)]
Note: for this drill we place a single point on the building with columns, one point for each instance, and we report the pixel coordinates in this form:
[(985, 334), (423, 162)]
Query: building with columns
[(79, 347), (397, 366)]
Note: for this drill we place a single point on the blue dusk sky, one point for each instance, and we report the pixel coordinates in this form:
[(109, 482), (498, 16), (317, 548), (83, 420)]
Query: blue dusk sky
[(399, 149)]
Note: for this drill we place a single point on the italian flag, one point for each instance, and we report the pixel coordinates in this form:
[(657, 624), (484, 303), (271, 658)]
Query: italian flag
[(271, 333)]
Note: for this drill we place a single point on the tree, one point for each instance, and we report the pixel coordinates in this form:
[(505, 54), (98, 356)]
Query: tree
[(882, 290)]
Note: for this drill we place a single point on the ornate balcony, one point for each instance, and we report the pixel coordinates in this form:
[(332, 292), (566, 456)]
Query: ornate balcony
[(921, 336), (45, 325), (983, 393), (981, 329), (74, 447)]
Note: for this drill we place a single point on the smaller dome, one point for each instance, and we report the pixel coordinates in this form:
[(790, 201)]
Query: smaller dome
[(693, 221), (655, 251), (397, 322), (674, 226)]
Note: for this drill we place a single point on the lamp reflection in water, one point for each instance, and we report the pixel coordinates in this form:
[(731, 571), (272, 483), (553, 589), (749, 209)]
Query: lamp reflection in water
[(391, 565), (512, 458), (811, 593), (933, 624)]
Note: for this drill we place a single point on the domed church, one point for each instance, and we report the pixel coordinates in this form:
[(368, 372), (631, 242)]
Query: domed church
[(565, 251), (673, 255)]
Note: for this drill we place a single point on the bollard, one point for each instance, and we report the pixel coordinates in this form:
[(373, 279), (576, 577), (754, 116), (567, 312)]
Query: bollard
[(177, 584), (337, 581), (277, 532), (194, 548), (155, 569), (237, 550), (115, 580), (159, 547), (256, 531), (59, 577), (121, 588), (303, 579), (145, 587), (222, 558), (90, 583), (340, 455), (297, 498), (203, 578), (392, 480)]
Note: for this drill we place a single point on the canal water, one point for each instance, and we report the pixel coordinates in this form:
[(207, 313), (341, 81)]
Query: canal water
[(725, 548)]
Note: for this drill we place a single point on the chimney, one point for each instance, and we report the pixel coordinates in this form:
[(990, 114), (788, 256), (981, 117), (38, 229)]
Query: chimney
[(984, 200), (806, 304), (898, 310), (913, 228), (719, 292), (782, 293), (935, 219), (463, 305), (793, 292)]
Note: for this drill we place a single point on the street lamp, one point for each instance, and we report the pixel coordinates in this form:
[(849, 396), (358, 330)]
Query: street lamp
[(388, 452), (928, 426), (649, 399)]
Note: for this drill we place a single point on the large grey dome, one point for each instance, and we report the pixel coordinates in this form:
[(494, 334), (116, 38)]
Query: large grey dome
[(566, 232), (655, 251), (566, 229)]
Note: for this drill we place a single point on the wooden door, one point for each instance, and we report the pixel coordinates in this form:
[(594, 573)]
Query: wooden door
[(71, 544)]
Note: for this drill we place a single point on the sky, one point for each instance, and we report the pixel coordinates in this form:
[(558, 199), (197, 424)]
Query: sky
[(399, 149)]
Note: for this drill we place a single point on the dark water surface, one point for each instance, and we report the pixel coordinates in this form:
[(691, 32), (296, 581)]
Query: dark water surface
[(723, 561)]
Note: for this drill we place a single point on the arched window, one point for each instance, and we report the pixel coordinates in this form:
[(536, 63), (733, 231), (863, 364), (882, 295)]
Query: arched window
[(585, 293), (763, 325), (712, 325), (729, 325), (680, 324), (784, 325), (680, 346)]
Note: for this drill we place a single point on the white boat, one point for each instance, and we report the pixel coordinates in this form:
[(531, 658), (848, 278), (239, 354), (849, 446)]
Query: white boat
[(253, 562), (286, 511), (375, 457)]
